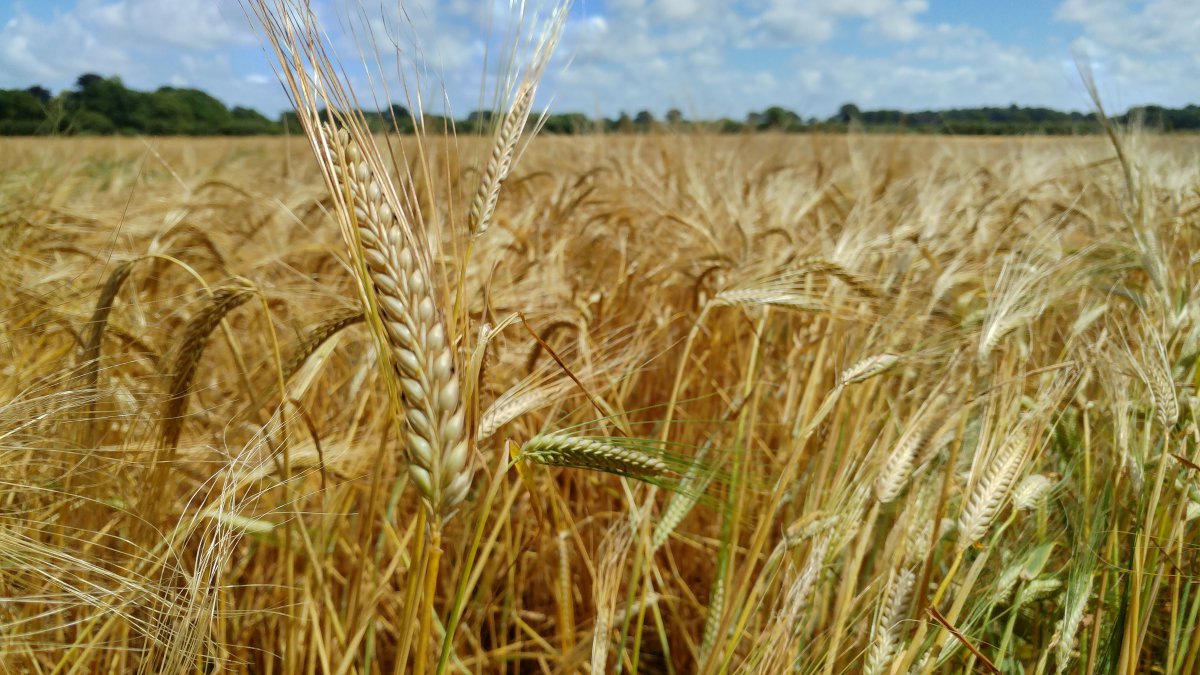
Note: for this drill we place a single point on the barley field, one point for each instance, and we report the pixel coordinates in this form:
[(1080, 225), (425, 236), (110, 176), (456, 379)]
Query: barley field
[(680, 404)]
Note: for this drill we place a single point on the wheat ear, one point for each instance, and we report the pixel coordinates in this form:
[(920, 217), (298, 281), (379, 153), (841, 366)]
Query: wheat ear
[(187, 356), (695, 482), (585, 453), (992, 489), (316, 336), (867, 368), (1162, 387), (503, 148), (420, 352), (900, 462), (892, 611)]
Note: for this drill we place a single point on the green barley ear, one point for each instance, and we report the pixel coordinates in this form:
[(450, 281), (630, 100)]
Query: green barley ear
[(597, 455), (642, 459), (694, 484)]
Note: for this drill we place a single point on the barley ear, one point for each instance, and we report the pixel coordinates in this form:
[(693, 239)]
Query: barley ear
[(585, 453), (867, 368), (316, 336), (993, 487), (187, 356), (427, 376), (500, 162)]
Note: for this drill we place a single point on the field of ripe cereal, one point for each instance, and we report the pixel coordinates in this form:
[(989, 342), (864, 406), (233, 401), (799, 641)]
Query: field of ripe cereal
[(754, 404)]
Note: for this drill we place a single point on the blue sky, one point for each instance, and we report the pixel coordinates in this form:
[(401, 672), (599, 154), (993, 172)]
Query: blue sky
[(708, 58)]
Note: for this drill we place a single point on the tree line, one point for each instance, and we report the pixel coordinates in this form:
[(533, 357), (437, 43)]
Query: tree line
[(99, 105)]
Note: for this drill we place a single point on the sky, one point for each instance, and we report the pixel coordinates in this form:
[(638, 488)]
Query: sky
[(707, 58)]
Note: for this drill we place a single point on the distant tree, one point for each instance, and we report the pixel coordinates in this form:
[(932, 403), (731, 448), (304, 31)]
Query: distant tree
[(728, 126), (566, 123), (42, 94), (780, 119), (165, 113), (644, 120), (247, 122), (848, 112), (91, 122), (674, 117), (21, 113), (107, 97), (624, 123), (400, 118), (479, 120), (87, 80)]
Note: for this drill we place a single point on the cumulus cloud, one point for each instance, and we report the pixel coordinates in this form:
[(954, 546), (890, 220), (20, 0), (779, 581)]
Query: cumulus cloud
[(706, 57), (132, 38), (1146, 28), (187, 24), (1143, 52), (787, 22)]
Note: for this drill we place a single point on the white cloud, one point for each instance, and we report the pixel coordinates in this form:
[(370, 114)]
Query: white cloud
[(33, 50), (190, 24), (132, 38), (1140, 52), (707, 57), (1149, 27), (786, 22)]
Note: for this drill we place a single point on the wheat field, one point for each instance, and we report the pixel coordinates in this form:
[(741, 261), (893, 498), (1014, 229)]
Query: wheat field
[(753, 404)]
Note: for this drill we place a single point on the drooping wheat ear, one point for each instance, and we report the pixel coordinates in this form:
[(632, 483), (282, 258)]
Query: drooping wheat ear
[(614, 550), (483, 206), (1162, 387), (867, 368), (545, 382), (93, 337), (884, 636), (712, 618), (585, 453), (801, 590), (316, 336), (857, 282), (695, 482), (754, 296), (899, 465), (992, 488), (99, 320), (1021, 293), (1075, 600), (505, 408), (421, 354), (187, 355)]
